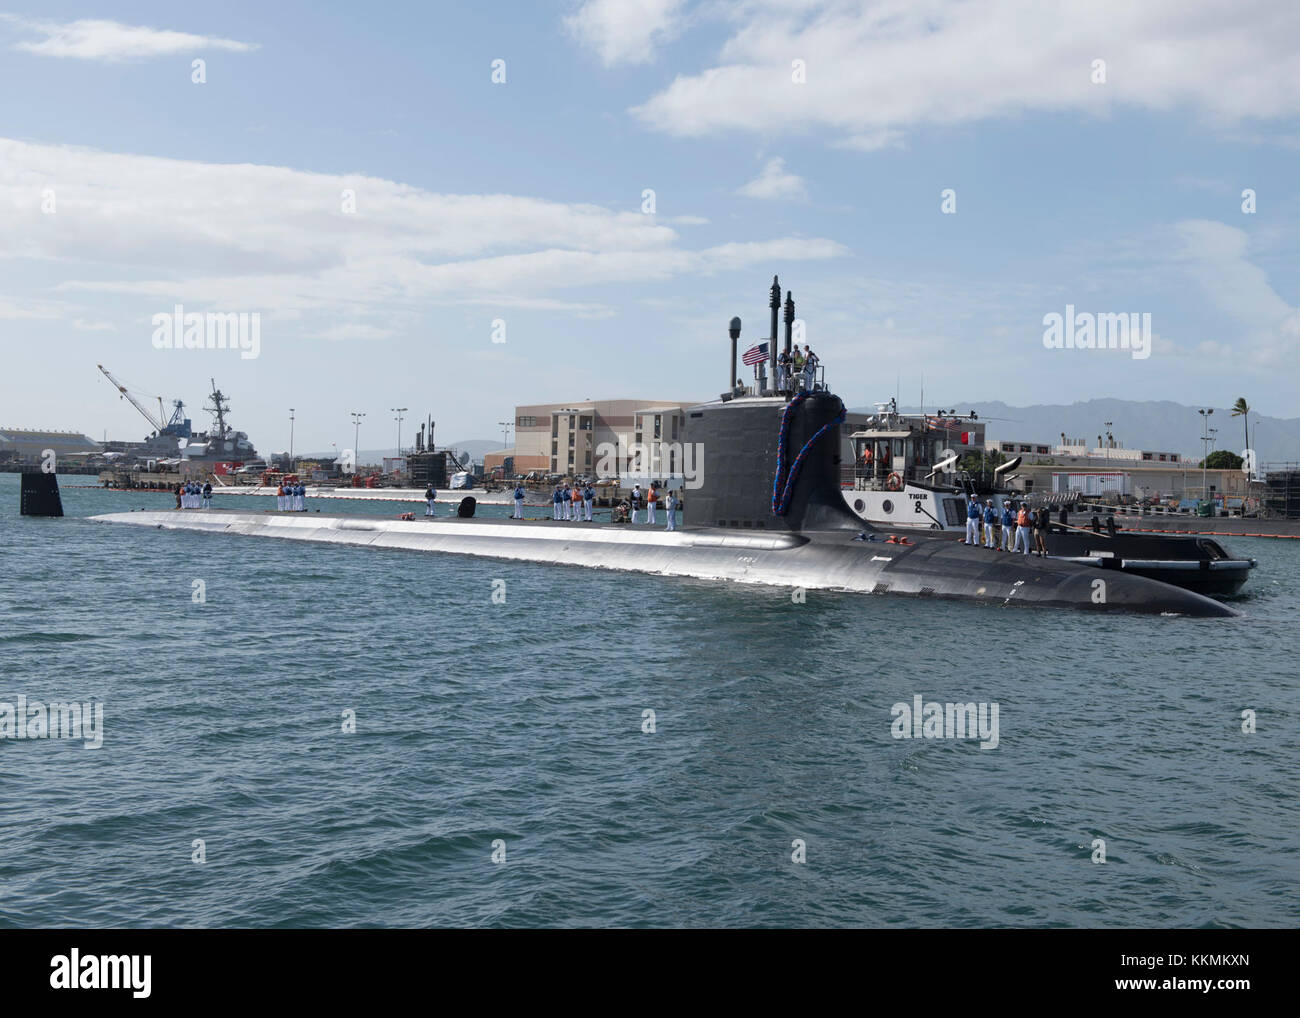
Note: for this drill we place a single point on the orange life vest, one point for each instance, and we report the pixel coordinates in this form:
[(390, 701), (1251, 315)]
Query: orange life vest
[(1022, 518)]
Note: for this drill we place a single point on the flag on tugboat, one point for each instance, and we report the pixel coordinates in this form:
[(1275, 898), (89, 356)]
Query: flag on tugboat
[(755, 354)]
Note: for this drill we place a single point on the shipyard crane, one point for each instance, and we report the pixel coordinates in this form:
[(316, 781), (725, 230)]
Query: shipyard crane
[(157, 424)]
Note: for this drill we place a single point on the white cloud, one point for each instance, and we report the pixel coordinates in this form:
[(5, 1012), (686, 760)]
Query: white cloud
[(81, 325), (875, 70), (775, 182), (111, 41), (625, 31), (275, 240), (1216, 256)]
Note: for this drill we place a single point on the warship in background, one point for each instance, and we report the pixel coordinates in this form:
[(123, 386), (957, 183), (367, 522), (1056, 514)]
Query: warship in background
[(175, 441)]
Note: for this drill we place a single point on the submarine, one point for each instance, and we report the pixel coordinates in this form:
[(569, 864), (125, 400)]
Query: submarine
[(768, 510)]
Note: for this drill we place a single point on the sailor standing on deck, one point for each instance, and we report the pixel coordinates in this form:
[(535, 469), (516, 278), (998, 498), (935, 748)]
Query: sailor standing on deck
[(1008, 519), (555, 502), (651, 502), (671, 505), (430, 496), (279, 497), (972, 521), (1022, 529), (207, 494), (577, 502), (519, 502), (636, 501), (588, 498), (1040, 530), (302, 497), (566, 503), (989, 516)]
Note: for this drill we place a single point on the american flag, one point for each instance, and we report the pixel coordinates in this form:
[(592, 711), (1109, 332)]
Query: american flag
[(755, 354)]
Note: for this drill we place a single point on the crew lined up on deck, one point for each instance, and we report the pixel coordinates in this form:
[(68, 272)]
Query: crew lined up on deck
[(1018, 523), (569, 503), (575, 504), (192, 495), (291, 498)]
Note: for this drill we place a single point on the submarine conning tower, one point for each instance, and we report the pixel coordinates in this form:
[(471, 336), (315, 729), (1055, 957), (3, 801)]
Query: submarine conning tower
[(771, 458)]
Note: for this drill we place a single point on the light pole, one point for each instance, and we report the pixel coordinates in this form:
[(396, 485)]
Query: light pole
[(356, 439), (1205, 446), (399, 410), (291, 438), (505, 444)]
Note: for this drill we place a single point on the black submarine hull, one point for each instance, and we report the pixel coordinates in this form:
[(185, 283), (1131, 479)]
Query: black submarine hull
[(763, 507), (826, 560)]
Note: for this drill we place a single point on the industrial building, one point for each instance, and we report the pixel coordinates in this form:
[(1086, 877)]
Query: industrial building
[(1074, 466), (19, 445)]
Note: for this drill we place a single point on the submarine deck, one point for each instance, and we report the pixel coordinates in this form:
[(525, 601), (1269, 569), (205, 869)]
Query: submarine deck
[(810, 559)]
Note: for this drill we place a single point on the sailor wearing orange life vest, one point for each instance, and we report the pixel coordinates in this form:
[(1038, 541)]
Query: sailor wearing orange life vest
[(576, 495), (1022, 528), (651, 500)]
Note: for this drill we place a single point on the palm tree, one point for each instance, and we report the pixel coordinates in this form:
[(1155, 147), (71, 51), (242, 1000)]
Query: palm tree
[(1242, 409)]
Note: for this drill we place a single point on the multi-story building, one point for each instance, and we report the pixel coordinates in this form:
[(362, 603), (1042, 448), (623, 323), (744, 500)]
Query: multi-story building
[(569, 439)]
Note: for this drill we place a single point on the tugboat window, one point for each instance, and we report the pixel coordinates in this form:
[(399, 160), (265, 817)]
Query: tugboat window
[(888, 505)]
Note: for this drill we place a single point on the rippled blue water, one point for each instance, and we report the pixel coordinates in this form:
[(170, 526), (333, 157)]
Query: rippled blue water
[(523, 722)]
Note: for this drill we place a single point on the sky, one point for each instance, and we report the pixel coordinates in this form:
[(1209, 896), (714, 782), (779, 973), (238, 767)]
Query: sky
[(458, 208)]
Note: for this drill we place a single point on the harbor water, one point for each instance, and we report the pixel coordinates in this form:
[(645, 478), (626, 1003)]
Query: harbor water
[(506, 769)]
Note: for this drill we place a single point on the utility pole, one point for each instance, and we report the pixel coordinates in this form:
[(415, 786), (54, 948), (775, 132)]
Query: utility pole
[(291, 438)]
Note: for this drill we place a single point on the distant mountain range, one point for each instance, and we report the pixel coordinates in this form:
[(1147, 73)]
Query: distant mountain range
[(1160, 426)]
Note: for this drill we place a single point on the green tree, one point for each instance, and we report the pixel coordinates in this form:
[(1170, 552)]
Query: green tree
[(1222, 459), (1242, 409), (981, 462)]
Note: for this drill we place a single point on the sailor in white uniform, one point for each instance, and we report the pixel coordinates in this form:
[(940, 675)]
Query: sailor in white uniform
[(519, 502), (588, 499), (651, 501), (636, 501), (671, 506), (973, 520)]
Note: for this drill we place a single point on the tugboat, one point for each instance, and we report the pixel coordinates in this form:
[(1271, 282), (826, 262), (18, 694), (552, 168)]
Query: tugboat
[(905, 476)]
